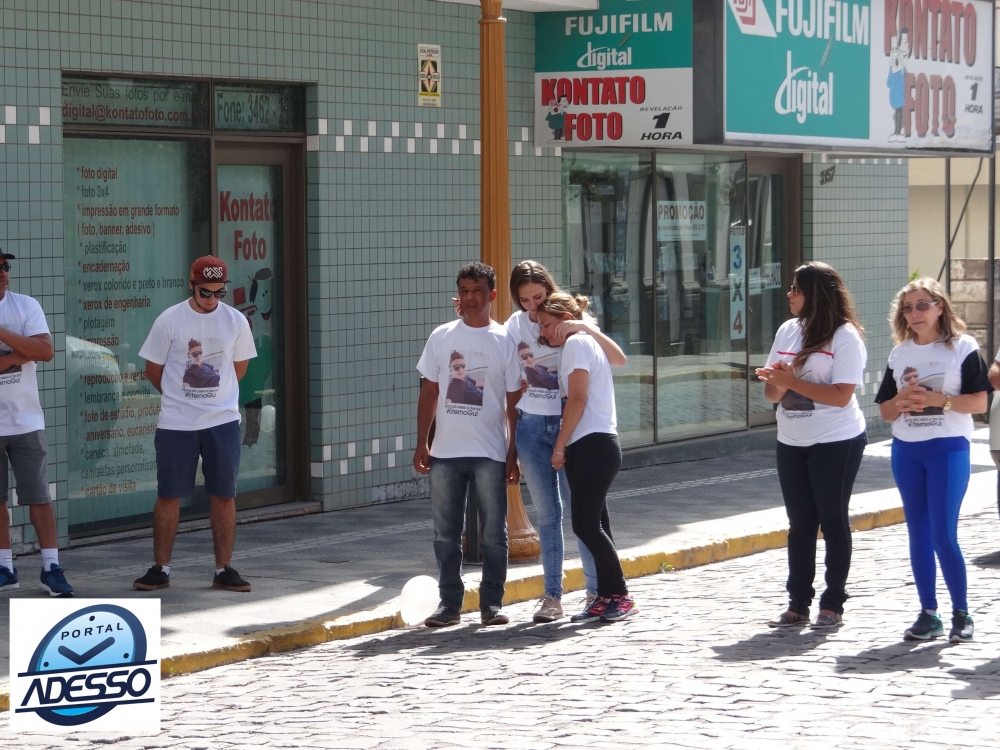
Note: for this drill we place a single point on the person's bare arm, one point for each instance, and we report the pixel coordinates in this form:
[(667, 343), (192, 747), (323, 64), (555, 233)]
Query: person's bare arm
[(513, 471), (241, 368), (576, 401), (616, 357), (33, 348), (154, 374), (426, 406), (995, 375)]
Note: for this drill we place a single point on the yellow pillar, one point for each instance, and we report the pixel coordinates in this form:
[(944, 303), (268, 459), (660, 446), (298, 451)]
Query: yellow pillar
[(494, 202)]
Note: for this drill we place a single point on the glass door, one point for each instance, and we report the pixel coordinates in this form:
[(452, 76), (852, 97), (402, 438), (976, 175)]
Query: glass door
[(256, 206), (773, 252)]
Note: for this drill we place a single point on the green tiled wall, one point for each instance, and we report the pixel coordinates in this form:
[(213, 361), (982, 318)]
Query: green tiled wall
[(858, 223), (386, 230)]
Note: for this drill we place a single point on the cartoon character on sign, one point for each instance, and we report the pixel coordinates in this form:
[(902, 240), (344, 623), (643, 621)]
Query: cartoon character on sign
[(258, 372), (896, 82), (556, 118)]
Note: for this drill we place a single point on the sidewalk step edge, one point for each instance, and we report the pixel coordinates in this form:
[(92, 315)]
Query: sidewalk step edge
[(313, 632)]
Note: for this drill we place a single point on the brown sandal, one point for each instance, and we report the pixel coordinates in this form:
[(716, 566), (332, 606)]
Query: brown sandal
[(789, 619)]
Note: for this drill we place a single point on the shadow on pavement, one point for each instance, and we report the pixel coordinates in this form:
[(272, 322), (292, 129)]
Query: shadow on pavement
[(899, 657), (983, 682), (771, 644), (465, 638), (992, 560)]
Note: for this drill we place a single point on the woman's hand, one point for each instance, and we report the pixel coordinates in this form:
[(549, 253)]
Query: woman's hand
[(558, 458), (567, 327), (524, 385), (913, 399), (779, 374)]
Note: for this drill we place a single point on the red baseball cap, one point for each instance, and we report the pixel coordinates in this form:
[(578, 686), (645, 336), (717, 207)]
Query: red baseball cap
[(209, 270)]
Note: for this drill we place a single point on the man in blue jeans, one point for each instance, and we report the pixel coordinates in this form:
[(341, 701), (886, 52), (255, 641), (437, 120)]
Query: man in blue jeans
[(473, 449)]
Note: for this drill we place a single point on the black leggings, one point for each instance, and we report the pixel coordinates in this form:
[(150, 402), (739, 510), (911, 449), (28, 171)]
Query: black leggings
[(816, 482), (592, 462)]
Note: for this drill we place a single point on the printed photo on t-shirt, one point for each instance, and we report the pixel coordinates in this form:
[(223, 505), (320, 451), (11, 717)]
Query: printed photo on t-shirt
[(933, 382), (465, 386), (795, 401), (541, 373), (201, 376), (13, 373)]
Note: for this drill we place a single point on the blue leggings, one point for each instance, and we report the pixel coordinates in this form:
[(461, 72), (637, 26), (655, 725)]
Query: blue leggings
[(932, 476)]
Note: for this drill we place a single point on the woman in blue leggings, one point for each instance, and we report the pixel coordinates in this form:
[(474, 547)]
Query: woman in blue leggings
[(935, 381)]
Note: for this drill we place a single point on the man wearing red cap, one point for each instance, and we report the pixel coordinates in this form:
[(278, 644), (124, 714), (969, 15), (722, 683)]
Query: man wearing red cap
[(195, 356)]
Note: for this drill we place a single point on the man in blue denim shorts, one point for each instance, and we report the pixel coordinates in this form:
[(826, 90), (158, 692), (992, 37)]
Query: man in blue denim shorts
[(195, 356), (25, 340)]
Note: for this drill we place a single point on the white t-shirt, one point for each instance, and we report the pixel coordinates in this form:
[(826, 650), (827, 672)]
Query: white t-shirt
[(936, 368), (539, 366), (20, 409), (582, 352), (197, 350), (803, 422), (475, 369)]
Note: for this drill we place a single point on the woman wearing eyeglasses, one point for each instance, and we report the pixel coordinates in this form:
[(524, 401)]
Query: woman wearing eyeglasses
[(539, 416), (817, 360), (935, 381)]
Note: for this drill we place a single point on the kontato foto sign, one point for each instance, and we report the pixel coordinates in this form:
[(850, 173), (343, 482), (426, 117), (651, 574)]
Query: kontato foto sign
[(617, 76), (82, 666), (874, 74)]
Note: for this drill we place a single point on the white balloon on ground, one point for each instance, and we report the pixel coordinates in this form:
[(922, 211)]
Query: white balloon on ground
[(418, 600), (267, 417)]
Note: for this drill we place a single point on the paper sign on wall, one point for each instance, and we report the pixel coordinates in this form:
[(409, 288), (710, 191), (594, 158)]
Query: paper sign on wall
[(680, 220), (429, 76)]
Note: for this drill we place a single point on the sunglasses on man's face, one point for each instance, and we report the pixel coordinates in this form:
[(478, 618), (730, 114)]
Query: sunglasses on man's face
[(911, 378), (456, 368), (5, 267), (206, 293), (527, 356), (195, 354)]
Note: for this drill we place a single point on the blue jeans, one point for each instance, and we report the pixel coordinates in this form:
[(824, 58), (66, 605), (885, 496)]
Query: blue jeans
[(536, 439), (485, 482)]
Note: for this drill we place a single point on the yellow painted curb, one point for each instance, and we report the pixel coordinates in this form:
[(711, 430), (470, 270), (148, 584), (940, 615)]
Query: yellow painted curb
[(312, 632)]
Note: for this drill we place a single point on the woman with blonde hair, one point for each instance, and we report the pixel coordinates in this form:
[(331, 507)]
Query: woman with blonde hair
[(935, 381), (539, 413), (587, 446)]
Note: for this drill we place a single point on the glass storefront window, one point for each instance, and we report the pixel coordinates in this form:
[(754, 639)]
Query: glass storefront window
[(136, 215), (700, 333), (109, 102), (250, 241), (608, 233), (260, 108)]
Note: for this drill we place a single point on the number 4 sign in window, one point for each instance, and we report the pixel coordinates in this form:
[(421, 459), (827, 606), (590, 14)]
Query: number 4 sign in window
[(737, 283)]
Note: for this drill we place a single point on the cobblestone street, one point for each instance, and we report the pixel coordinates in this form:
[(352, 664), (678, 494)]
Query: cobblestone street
[(697, 668)]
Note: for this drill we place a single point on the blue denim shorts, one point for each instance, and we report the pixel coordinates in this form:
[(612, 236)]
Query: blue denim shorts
[(177, 453)]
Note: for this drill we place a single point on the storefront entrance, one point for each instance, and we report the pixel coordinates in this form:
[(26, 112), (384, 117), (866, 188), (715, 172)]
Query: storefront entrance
[(686, 259), (141, 203)]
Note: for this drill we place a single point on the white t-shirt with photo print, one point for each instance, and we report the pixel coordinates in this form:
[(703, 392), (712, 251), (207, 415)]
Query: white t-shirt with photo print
[(20, 409), (582, 352), (803, 422), (475, 369), (955, 370), (539, 366), (197, 351)]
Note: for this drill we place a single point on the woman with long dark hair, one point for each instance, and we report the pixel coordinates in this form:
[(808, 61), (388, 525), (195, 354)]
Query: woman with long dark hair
[(817, 360), (587, 446), (539, 415), (935, 381)]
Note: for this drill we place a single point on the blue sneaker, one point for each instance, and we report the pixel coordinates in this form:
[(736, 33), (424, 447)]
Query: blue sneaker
[(8, 579), (55, 582)]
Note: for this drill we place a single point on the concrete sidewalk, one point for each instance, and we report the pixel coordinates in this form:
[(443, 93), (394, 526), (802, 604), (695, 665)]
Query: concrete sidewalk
[(351, 564)]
